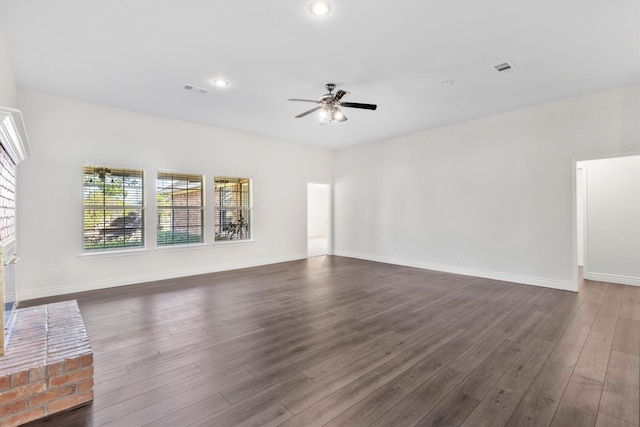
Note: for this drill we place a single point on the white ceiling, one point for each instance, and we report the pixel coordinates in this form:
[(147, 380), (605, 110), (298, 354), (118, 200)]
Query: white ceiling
[(139, 54)]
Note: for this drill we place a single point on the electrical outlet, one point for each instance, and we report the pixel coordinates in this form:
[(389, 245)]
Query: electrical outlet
[(460, 257), (54, 272)]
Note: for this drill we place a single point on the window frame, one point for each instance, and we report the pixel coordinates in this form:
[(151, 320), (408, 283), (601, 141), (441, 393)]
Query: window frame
[(245, 210), (173, 208), (139, 223)]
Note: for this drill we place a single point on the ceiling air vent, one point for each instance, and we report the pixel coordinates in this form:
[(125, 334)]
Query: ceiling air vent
[(196, 89), (504, 67)]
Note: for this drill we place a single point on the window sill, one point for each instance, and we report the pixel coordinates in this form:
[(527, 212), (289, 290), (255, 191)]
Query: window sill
[(221, 243), (113, 253), (181, 247)]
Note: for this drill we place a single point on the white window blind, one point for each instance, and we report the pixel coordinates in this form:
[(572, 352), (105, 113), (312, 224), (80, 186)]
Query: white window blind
[(113, 208), (232, 214), (180, 208)]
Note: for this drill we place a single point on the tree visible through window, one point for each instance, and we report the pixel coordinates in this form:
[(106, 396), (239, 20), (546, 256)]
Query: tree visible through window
[(113, 208), (180, 208), (232, 208)]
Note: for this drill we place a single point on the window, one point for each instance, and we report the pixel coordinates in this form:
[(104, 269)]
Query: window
[(180, 208), (113, 205), (232, 208)]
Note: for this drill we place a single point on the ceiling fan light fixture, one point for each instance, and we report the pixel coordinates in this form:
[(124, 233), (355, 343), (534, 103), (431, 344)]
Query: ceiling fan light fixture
[(320, 8), (336, 115)]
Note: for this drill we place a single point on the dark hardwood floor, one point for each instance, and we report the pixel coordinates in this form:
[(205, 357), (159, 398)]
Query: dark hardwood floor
[(343, 342)]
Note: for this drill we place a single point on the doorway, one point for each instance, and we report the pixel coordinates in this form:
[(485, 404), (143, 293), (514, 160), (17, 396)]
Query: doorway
[(608, 219), (318, 214)]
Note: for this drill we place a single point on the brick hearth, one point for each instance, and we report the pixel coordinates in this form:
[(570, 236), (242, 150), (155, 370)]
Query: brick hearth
[(47, 366)]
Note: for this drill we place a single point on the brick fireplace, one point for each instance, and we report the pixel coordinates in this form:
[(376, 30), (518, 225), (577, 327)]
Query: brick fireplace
[(48, 364)]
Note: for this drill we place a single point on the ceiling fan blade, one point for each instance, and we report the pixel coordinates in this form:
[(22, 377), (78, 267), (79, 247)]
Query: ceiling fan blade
[(358, 105), (315, 101), (308, 112), (341, 94)]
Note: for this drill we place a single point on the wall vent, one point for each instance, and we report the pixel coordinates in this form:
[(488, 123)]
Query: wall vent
[(196, 89), (504, 67)]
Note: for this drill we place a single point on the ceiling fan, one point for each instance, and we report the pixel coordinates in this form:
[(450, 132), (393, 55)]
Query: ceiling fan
[(329, 104)]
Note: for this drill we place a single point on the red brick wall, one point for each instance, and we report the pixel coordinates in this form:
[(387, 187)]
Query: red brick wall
[(7, 197)]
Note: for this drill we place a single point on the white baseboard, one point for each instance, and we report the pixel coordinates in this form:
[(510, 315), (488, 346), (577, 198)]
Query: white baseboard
[(132, 280), (507, 277), (152, 277), (612, 278)]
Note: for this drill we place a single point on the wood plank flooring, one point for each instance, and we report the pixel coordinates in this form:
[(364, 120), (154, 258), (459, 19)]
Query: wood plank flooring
[(343, 342)]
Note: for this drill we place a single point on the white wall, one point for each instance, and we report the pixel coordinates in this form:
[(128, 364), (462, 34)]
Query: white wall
[(492, 197), (64, 134), (8, 85), (612, 218)]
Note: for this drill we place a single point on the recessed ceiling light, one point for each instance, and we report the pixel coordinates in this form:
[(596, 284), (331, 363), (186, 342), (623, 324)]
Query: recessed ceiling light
[(320, 7), (448, 83), (220, 82)]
